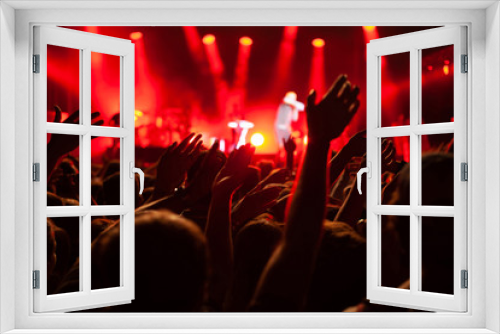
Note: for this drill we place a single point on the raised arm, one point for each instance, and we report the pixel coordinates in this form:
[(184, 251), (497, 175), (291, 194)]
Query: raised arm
[(173, 165), (356, 147), (285, 280), (60, 145), (353, 206), (218, 229)]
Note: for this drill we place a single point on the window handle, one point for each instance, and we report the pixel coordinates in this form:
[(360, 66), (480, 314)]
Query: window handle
[(141, 176), (368, 172)]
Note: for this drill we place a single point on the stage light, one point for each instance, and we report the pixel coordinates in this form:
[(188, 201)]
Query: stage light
[(137, 114), (208, 39), (246, 41), (429, 68), (195, 46), (305, 140), (135, 35), (446, 69), (318, 42), (317, 72), (447, 62), (370, 32), (290, 32), (257, 139)]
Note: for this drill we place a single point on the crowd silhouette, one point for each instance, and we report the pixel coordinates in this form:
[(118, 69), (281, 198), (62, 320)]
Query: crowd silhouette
[(224, 233)]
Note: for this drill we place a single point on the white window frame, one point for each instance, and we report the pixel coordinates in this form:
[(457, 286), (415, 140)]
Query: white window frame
[(483, 21), (86, 43), (414, 43)]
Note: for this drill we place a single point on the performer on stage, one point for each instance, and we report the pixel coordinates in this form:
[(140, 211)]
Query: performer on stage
[(288, 111)]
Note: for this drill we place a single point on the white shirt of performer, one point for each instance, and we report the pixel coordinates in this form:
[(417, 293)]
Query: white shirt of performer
[(286, 113)]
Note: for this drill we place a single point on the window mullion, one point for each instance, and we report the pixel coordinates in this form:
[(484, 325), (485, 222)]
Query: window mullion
[(85, 174), (414, 170)]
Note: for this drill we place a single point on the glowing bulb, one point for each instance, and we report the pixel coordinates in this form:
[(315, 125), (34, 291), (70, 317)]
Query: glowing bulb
[(208, 39), (246, 41), (257, 139), (137, 114), (136, 35), (318, 42), (446, 69)]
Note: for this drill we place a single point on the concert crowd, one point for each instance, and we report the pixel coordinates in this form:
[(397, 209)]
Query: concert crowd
[(231, 233)]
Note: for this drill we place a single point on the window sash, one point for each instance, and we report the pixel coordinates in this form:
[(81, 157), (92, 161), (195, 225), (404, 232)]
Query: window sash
[(86, 43), (413, 43)]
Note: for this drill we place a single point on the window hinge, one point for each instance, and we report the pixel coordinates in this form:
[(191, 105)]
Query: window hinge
[(36, 279), (465, 64), (36, 63), (465, 279), (464, 172), (36, 172)]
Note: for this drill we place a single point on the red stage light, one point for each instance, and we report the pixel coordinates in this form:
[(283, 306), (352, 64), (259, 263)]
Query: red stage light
[(257, 139), (208, 39), (290, 32), (318, 42), (137, 114), (446, 69), (429, 68), (246, 41), (135, 35)]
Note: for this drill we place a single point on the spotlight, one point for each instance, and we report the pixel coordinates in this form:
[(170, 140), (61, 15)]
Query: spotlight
[(318, 42), (246, 41), (446, 69), (369, 28), (137, 114), (208, 39), (257, 139), (135, 35)]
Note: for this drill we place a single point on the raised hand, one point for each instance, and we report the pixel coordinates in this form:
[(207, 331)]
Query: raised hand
[(235, 171), (280, 175), (202, 182), (63, 144), (328, 119), (389, 163), (254, 204), (356, 147), (174, 164)]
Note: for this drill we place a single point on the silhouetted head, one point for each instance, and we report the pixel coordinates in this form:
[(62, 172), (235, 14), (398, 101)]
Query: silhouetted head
[(170, 263), (339, 279), (254, 244)]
